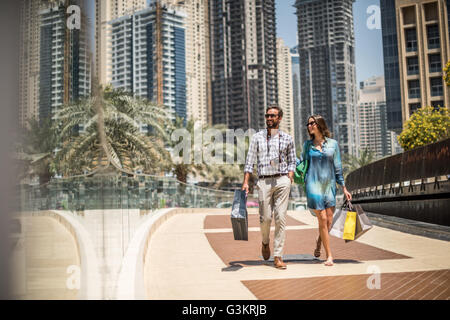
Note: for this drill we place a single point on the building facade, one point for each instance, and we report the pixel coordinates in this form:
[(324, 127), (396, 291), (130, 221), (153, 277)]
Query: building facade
[(29, 60), (423, 46), (296, 88), (148, 56), (105, 11), (65, 61), (328, 77), (391, 65), (285, 88), (243, 61), (374, 134), (198, 80)]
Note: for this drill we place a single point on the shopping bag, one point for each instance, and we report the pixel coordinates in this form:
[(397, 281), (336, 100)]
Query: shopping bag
[(239, 215), (301, 168), (337, 226), (363, 223), (300, 172), (350, 226), (339, 220)]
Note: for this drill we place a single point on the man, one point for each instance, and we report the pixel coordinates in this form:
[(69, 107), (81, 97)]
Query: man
[(274, 152)]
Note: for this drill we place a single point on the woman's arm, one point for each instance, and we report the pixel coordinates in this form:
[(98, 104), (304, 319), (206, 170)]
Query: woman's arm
[(339, 172)]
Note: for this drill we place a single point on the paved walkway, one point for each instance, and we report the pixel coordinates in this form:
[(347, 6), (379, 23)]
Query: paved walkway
[(194, 256)]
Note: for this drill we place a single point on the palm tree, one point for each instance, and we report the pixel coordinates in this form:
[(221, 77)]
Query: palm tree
[(111, 135), (220, 173), (351, 162), (35, 150)]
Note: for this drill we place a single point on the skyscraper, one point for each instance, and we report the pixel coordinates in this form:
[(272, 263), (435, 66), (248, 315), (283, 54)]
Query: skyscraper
[(372, 117), (423, 42), (285, 92), (29, 60), (65, 64), (148, 56), (298, 125), (391, 65), (198, 80), (328, 77), (105, 11), (243, 61)]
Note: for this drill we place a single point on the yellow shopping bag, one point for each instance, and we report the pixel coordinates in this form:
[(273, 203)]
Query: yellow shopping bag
[(350, 226)]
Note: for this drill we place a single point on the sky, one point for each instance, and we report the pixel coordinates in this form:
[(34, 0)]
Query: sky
[(368, 42)]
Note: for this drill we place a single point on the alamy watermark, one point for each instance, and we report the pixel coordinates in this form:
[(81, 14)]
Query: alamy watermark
[(74, 279), (74, 20), (374, 19), (211, 146), (374, 281)]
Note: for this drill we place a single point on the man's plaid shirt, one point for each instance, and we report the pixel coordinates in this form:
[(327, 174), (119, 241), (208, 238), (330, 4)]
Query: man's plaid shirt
[(258, 152)]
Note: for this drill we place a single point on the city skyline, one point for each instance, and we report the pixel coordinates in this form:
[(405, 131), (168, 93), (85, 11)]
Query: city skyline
[(368, 42), (369, 62)]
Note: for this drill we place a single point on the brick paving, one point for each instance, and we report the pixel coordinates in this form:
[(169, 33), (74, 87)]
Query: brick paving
[(412, 267), (298, 242), (427, 285)]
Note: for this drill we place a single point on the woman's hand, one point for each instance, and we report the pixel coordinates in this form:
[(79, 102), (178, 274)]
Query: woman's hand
[(347, 194)]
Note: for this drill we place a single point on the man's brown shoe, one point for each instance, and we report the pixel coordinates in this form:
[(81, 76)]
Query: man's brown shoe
[(265, 250), (279, 264)]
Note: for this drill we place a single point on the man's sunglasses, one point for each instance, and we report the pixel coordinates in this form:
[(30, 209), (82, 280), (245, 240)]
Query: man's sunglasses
[(270, 115)]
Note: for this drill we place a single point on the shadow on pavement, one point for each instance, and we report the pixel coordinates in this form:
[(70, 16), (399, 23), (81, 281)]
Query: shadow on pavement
[(290, 259)]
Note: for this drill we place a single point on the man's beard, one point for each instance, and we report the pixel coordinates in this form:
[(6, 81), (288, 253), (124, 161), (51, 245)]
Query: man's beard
[(273, 125)]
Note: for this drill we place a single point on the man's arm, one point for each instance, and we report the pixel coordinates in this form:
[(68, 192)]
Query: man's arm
[(251, 159), (291, 160)]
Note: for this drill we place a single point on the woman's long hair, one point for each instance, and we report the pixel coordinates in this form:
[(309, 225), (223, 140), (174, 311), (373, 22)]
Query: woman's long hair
[(321, 124)]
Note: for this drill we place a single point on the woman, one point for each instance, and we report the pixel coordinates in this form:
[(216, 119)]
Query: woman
[(324, 171)]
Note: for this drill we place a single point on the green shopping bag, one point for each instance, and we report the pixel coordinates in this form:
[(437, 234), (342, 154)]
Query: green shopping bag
[(301, 169), (300, 172)]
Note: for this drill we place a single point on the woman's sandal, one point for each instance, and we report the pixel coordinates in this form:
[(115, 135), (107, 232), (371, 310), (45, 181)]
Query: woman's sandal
[(318, 245), (329, 263)]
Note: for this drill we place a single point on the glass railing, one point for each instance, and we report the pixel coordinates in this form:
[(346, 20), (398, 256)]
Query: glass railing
[(103, 192)]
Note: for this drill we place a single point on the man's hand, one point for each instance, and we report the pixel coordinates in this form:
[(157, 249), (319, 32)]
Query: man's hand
[(291, 176), (245, 183), (245, 187)]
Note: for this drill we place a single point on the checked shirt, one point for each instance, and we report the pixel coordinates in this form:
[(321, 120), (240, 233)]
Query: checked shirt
[(262, 152)]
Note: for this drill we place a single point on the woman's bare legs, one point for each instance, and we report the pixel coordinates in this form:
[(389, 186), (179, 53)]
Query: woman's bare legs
[(329, 213), (322, 218)]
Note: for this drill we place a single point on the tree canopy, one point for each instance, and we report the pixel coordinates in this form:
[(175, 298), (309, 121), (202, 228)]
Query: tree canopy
[(426, 125)]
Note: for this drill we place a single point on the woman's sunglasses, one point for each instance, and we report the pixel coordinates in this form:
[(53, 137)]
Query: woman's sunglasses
[(311, 123)]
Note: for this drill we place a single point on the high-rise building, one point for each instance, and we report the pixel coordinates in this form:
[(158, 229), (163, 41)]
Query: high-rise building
[(29, 60), (423, 46), (374, 134), (148, 56), (105, 11), (198, 81), (328, 77), (298, 125), (243, 61), (285, 92), (65, 62), (391, 65)]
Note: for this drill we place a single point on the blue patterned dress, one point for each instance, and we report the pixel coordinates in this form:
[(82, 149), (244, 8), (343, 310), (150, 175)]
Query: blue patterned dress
[(324, 171)]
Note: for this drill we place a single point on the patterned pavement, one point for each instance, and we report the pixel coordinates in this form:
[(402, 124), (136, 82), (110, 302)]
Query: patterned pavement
[(217, 267)]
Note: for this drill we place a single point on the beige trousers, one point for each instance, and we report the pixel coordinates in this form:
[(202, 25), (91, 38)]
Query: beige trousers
[(273, 198)]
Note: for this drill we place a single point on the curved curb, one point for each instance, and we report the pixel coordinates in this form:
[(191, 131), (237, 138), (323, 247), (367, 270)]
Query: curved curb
[(130, 285), (90, 282)]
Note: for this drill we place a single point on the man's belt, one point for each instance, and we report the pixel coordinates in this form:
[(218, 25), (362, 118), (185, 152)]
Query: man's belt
[(273, 176)]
